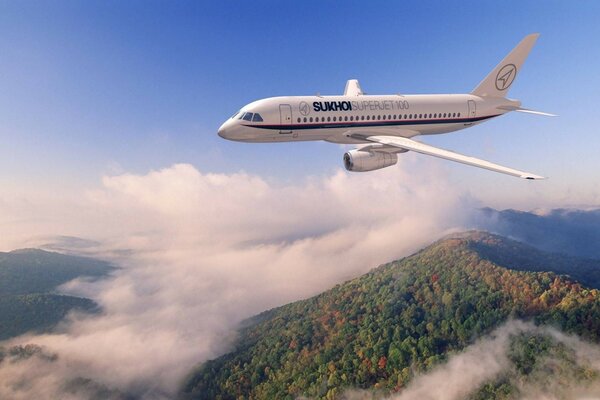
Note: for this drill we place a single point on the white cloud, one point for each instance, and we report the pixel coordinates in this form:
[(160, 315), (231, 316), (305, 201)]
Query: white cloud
[(207, 250)]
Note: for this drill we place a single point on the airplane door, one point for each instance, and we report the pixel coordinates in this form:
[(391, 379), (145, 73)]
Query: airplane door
[(472, 109), (285, 118)]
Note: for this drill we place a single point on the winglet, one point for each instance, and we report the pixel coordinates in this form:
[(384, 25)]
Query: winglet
[(497, 83), (353, 88), (533, 177)]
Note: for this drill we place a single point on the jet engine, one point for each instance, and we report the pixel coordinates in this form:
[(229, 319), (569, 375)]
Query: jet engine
[(362, 161)]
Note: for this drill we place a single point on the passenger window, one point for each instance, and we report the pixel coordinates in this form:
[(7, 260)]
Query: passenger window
[(346, 118), (458, 115), (328, 119), (362, 117), (310, 119), (298, 120), (351, 118), (384, 117), (257, 118), (248, 117), (334, 119), (305, 119)]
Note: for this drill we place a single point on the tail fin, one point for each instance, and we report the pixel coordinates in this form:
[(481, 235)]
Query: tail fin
[(497, 83)]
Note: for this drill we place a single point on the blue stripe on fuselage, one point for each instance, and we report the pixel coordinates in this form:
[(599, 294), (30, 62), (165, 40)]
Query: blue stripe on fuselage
[(370, 124)]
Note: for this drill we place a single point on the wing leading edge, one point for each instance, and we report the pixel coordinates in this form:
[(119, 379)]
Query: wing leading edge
[(412, 145)]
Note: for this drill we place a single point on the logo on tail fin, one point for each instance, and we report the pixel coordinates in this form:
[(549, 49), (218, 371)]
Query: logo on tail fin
[(506, 76)]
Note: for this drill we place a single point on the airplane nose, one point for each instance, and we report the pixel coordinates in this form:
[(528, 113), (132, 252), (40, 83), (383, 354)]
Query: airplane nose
[(229, 131), (225, 130)]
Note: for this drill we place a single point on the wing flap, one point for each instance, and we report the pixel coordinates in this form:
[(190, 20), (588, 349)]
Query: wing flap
[(412, 145)]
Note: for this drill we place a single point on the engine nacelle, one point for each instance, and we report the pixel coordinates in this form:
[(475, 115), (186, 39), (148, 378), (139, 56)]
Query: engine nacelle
[(362, 161)]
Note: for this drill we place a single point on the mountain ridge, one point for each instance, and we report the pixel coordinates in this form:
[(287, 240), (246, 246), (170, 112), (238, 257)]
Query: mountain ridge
[(374, 331), (28, 289), (575, 232)]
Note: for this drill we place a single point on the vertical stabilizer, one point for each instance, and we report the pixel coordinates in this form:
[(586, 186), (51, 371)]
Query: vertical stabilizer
[(353, 88), (499, 81)]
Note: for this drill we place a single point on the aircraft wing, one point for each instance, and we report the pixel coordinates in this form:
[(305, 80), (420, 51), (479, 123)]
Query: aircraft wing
[(413, 145)]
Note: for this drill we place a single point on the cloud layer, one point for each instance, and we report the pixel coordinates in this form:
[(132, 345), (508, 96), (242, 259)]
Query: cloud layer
[(200, 252)]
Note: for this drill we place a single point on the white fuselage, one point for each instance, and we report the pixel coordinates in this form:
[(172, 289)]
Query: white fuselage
[(336, 118)]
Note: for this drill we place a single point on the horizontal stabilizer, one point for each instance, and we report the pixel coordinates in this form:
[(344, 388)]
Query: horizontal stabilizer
[(413, 145), (526, 110)]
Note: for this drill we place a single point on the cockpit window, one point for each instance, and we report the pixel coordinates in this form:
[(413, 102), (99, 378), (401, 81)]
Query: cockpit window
[(257, 118), (234, 115), (247, 117)]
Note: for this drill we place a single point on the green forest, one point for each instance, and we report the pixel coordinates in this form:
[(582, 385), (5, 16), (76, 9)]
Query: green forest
[(379, 330)]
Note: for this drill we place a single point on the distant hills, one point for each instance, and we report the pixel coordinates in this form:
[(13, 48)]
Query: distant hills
[(377, 331), (28, 282), (569, 231)]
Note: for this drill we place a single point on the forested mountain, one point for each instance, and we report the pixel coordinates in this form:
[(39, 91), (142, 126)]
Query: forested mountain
[(569, 231), (28, 279), (377, 331), (37, 271)]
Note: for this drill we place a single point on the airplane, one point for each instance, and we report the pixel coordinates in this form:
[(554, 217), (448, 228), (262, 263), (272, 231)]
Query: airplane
[(385, 125)]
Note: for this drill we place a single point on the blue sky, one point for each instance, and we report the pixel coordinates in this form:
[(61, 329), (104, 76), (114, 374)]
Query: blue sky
[(93, 88)]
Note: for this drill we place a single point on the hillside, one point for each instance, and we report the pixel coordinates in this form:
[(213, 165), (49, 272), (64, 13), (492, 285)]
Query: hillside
[(28, 281), (377, 331)]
